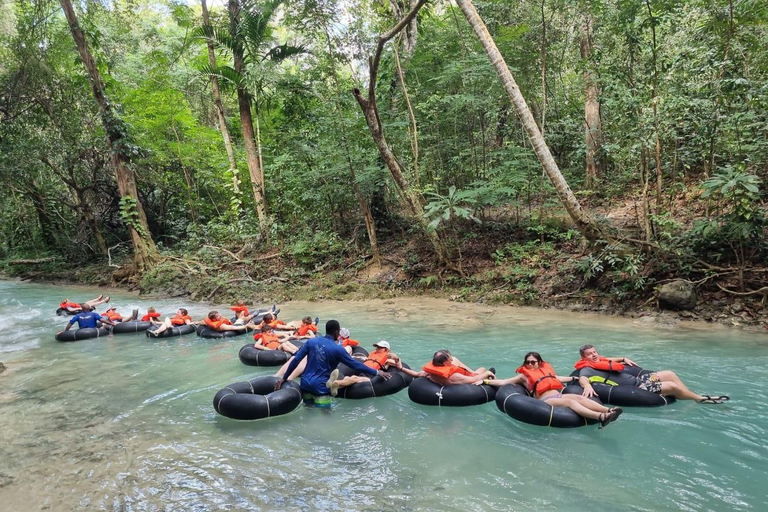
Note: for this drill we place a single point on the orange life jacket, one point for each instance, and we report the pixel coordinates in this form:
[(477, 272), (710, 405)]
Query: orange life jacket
[(346, 342), (305, 328), (146, 317), (72, 305), (113, 316), (444, 371), (274, 323), (603, 365), (215, 324), (270, 340), (541, 379), (180, 319), (376, 360), (240, 309)]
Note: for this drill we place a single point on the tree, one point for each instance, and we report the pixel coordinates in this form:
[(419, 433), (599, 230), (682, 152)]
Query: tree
[(221, 114), (412, 198), (585, 224), (593, 127), (145, 255), (248, 42)]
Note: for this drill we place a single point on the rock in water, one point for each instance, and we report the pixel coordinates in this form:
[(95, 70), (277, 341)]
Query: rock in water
[(679, 294)]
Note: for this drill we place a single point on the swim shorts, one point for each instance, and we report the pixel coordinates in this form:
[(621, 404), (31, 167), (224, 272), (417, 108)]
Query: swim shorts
[(649, 382), (323, 401)]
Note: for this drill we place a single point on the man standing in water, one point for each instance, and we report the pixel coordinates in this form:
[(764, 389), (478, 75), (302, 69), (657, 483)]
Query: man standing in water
[(88, 318), (610, 370), (323, 355)]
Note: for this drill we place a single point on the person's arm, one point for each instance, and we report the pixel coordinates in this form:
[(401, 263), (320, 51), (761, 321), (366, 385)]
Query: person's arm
[(71, 322), (410, 372), (584, 383), (497, 383), (458, 378), (567, 380)]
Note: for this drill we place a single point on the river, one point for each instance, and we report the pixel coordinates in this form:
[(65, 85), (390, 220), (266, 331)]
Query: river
[(126, 423)]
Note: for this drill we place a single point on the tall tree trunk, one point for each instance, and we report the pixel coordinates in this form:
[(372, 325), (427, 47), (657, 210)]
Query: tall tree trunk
[(543, 68), (585, 224), (362, 201), (593, 129), (221, 114), (145, 255), (412, 198), (414, 129), (655, 100), (246, 124)]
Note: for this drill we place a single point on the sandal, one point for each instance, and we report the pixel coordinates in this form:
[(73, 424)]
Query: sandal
[(714, 399), (610, 416)]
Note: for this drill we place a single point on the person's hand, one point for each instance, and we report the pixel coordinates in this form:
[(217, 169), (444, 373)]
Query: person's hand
[(588, 391), (279, 384), (384, 375), (489, 375), (629, 362)]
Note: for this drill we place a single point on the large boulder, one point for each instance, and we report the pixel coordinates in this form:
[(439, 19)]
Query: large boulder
[(678, 295)]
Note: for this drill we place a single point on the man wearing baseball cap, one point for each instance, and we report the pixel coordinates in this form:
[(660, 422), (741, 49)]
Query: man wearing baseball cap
[(380, 359)]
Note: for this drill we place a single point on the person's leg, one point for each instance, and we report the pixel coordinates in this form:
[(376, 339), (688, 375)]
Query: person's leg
[(288, 347), (225, 327), (575, 406), (680, 392), (164, 326), (296, 373), (588, 403), (670, 376), (352, 379)]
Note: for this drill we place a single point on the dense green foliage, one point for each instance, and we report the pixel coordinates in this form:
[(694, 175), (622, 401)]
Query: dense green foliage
[(703, 63)]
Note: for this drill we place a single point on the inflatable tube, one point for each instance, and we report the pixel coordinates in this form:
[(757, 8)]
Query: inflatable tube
[(131, 326), (257, 399), (66, 312), (377, 386), (425, 392), (176, 330), (81, 334), (254, 357), (515, 401), (206, 332), (624, 396)]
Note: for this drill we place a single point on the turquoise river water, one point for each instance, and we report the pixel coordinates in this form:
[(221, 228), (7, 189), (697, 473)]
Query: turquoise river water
[(125, 423)]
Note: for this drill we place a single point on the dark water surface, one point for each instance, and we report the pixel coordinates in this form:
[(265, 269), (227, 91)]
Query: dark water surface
[(126, 423)]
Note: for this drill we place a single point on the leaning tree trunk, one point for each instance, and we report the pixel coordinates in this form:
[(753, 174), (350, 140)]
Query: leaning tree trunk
[(593, 128), (220, 109), (412, 198), (246, 124), (585, 224), (145, 255)]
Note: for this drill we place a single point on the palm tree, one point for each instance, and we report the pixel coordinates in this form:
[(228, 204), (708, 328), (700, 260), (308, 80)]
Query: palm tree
[(249, 40)]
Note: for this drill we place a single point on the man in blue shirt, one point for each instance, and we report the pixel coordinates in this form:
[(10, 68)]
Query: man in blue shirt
[(323, 355), (88, 318)]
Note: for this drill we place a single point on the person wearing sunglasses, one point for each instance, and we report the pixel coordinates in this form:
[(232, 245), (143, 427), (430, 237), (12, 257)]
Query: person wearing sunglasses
[(541, 381), (610, 370), (445, 370)]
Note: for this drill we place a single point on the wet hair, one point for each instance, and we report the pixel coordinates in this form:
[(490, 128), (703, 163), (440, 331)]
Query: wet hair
[(212, 315), (241, 302), (184, 311), (536, 355), (584, 348), (441, 357), (151, 310), (332, 327), (266, 327), (307, 320), (268, 317)]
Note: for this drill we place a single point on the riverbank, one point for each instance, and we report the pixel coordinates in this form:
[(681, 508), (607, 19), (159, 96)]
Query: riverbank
[(538, 280)]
